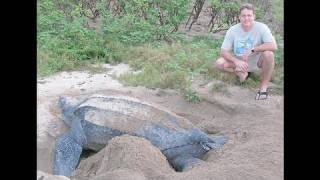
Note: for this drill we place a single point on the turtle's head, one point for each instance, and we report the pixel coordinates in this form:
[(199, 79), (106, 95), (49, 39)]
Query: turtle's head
[(208, 142), (67, 105), (66, 102), (214, 142)]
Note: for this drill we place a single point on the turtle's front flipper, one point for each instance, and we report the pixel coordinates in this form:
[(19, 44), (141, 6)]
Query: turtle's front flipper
[(184, 163), (66, 156), (68, 150)]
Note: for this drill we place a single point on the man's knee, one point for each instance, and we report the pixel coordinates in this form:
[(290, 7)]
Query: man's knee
[(220, 63), (267, 57)]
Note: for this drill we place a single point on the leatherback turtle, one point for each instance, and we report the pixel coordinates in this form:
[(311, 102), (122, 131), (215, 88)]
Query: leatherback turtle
[(95, 119)]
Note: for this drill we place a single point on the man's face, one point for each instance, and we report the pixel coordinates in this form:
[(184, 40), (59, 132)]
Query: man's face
[(246, 17)]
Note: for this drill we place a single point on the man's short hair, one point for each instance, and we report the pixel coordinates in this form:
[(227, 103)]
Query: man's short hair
[(247, 6)]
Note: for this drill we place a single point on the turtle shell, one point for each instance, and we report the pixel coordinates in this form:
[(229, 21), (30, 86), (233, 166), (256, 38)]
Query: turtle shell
[(127, 114)]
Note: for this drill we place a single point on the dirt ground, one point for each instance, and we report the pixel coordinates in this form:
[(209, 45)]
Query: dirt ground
[(254, 129)]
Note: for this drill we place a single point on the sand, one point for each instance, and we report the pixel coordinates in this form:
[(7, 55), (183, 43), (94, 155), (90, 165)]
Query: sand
[(254, 130)]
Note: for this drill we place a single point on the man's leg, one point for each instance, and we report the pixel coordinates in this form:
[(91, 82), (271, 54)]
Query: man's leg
[(266, 63), (224, 65)]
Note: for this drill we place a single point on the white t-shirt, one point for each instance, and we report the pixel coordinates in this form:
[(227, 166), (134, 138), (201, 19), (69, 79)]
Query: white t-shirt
[(239, 40)]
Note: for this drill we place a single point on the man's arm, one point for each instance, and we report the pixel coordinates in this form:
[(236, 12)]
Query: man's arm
[(228, 56), (269, 46), (269, 42)]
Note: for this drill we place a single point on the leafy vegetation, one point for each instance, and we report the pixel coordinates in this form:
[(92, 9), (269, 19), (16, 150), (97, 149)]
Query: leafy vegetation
[(66, 40), (191, 96), (172, 66)]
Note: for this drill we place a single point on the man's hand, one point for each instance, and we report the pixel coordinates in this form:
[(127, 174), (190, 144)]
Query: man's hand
[(241, 65)]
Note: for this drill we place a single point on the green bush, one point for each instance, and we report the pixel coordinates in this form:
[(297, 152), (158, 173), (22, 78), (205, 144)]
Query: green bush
[(64, 34), (140, 21), (191, 96)]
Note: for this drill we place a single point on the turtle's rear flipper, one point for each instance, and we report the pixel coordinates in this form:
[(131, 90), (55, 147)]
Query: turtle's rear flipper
[(66, 156), (185, 163)]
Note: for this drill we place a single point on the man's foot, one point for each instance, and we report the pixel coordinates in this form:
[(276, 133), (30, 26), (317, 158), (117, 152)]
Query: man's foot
[(242, 76), (249, 74), (261, 95)]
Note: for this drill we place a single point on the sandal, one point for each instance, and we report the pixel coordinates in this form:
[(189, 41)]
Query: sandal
[(261, 95)]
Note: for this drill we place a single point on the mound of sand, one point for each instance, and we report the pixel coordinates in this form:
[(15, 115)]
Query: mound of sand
[(125, 152), (45, 176), (121, 174)]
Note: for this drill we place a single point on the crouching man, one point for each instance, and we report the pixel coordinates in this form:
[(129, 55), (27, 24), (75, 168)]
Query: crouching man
[(249, 46)]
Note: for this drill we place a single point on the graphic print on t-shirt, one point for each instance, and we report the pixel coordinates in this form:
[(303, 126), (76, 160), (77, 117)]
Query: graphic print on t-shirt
[(242, 45)]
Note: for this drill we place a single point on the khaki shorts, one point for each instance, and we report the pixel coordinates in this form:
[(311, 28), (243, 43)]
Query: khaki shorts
[(253, 62)]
